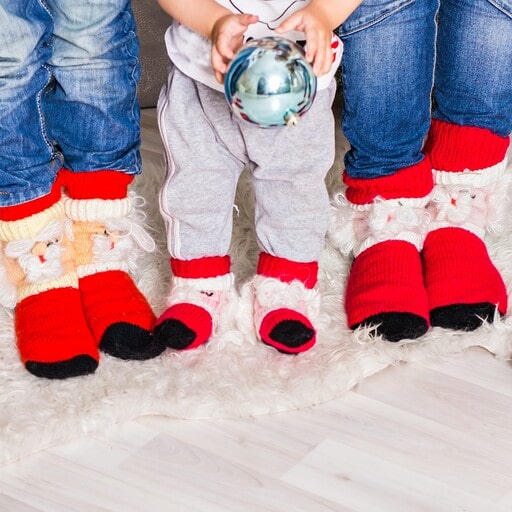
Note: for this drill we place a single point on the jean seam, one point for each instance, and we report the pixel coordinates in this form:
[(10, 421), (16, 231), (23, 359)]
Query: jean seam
[(385, 14), (501, 8)]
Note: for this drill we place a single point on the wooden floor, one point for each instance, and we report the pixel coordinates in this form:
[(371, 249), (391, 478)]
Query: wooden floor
[(412, 438)]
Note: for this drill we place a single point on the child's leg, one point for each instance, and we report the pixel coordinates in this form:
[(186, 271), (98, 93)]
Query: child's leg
[(108, 240), (387, 71), (91, 108), (467, 145), (92, 113), (38, 278), (205, 157), (37, 271), (291, 214), (385, 234)]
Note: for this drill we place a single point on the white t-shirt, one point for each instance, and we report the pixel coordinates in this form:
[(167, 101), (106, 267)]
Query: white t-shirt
[(191, 52)]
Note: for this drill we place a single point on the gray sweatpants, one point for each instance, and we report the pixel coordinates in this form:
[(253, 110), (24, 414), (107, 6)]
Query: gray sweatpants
[(207, 148)]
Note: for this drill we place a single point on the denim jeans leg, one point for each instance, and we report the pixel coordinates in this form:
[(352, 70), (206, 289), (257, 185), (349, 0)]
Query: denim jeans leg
[(28, 162), (92, 108), (387, 70), (473, 80)]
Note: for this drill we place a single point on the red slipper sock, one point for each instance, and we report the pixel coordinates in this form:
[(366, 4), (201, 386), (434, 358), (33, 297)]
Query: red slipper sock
[(199, 291), (53, 337), (285, 300), (108, 237), (37, 277), (383, 221), (385, 291), (464, 287)]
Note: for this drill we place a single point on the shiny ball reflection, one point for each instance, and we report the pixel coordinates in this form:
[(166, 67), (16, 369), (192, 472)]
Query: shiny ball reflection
[(270, 83)]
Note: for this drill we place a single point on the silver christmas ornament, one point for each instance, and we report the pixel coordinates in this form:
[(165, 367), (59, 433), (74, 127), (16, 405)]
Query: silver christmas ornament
[(270, 83)]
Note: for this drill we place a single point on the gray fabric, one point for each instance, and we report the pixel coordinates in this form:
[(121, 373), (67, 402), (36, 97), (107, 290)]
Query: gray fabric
[(207, 148)]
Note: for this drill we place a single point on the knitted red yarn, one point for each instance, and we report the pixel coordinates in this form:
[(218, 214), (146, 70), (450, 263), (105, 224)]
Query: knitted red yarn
[(386, 278), (118, 314), (104, 184), (53, 338), (458, 271), (287, 330), (201, 268), (413, 181), (183, 325), (451, 147), (24, 210), (385, 288), (464, 287), (111, 298)]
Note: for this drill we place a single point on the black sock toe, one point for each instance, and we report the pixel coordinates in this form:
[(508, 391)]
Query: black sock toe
[(174, 334), (74, 367), (462, 317), (130, 342), (291, 333), (396, 326)]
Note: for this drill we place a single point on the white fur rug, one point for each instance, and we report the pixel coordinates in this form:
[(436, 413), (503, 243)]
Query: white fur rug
[(233, 375)]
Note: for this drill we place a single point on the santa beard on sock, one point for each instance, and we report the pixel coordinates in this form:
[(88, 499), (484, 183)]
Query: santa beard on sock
[(115, 244), (41, 259)]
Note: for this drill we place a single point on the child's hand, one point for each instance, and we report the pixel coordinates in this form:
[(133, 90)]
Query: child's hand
[(227, 38), (317, 28)]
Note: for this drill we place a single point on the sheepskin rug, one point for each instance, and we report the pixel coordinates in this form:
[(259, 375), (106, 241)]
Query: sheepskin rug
[(233, 375)]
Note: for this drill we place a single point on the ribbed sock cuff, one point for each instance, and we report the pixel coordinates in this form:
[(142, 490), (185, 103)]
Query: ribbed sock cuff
[(410, 182), (287, 270), (201, 268), (104, 184), (459, 148)]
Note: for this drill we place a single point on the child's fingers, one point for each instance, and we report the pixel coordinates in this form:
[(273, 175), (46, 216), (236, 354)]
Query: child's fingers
[(219, 64), (294, 22), (248, 19), (219, 77)]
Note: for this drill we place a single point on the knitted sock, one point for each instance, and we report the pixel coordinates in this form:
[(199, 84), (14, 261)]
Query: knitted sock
[(108, 237), (198, 293), (37, 277), (464, 287), (382, 221), (285, 300), (385, 290)]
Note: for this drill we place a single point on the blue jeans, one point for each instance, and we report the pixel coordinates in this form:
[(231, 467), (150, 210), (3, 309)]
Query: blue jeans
[(397, 58), (68, 82)]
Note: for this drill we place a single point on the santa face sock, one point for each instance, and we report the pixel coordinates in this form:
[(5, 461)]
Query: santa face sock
[(199, 292), (382, 222), (108, 238), (470, 198), (285, 303), (38, 278)]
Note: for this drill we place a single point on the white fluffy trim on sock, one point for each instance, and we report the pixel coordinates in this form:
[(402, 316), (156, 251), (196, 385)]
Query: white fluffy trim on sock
[(262, 294), (355, 228), (212, 294), (477, 201)]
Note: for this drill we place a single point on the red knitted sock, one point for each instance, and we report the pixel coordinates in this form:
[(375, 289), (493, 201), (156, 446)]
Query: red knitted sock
[(464, 287), (283, 322), (53, 337), (119, 316), (385, 288), (107, 237), (198, 293), (37, 274)]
